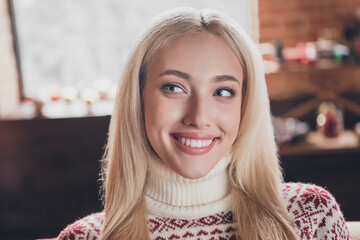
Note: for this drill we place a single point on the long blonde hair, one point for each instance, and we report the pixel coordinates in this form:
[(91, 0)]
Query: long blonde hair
[(254, 170)]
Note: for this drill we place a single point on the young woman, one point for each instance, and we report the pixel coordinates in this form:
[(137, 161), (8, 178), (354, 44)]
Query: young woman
[(191, 151)]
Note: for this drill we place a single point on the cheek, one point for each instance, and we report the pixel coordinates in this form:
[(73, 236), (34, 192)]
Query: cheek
[(230, 120), (161, 114)]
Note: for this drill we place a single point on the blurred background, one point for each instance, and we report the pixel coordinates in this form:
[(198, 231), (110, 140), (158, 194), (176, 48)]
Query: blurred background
[(60, 63)]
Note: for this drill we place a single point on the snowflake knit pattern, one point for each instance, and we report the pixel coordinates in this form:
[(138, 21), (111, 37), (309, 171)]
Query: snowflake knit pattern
[(314, 211), (200, 209)]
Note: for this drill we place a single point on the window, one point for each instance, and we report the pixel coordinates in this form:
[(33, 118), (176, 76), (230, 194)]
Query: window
[(71, 48)]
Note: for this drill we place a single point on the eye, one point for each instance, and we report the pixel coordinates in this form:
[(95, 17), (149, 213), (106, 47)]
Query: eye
[(224, 92), (172, 88)]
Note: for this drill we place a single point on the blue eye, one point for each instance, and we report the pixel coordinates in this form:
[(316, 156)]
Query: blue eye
[(172, 88), (224, 92)]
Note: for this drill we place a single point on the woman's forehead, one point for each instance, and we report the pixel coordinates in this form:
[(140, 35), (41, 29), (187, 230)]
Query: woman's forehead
[(191, 39), (194, 51)]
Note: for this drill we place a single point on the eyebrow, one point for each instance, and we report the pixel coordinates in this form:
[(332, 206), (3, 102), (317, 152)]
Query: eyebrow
[(219, 78), (176, 73)]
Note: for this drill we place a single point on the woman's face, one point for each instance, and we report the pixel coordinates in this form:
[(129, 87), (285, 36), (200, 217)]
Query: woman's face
[(192, 101)]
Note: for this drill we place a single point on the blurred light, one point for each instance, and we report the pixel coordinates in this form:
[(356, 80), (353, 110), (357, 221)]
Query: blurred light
[(341, 49), (311, 52), (64, 109), (290, 124), (43, 95), (321, 119), (56, 109), (54, 91), (69, 93), (102, 108), (267, 49), (78, 108), (27, 110), (324, 45), (90, 95), (112, 92)]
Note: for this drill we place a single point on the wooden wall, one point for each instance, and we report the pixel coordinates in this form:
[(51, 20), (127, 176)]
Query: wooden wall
[(300, 20), (48, 174)]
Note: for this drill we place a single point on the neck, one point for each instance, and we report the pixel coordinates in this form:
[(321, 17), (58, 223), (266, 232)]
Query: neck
[(170, 194)]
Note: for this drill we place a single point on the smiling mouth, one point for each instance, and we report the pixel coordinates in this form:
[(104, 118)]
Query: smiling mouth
[(193, 143)]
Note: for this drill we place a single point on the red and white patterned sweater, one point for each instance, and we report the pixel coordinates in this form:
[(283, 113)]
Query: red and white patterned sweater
[(314, 211)]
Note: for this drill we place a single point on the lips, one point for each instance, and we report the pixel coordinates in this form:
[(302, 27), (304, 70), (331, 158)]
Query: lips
[(194, 143)]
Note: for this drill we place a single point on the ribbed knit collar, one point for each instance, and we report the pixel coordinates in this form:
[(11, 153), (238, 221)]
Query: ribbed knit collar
[(169, 194)]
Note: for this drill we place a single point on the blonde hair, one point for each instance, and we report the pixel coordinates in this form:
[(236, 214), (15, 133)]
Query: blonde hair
[(254, 172)]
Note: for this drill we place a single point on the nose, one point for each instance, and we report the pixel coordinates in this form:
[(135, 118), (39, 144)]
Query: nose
[(198, 113)]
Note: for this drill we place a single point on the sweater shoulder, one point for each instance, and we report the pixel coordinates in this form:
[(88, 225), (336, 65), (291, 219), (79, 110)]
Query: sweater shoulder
[(314, 212), (88, 227), (310, 195)]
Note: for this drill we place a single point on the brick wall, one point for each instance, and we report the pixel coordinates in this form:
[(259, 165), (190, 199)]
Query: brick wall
[(9, 89), (254, 15), (299, 20)]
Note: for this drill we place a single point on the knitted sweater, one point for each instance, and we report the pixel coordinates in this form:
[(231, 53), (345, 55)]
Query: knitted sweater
[(181, 208)]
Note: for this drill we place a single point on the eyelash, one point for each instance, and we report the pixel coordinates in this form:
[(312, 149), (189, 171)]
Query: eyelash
[(232, 92), (167, 85)]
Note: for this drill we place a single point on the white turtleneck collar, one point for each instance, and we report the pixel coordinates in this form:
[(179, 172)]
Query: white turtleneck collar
[(170, 195)]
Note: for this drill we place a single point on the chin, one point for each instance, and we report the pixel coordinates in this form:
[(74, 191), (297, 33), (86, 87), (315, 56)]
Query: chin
[(193, 174)]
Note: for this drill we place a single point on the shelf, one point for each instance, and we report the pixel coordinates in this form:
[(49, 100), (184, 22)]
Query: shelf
[(298, 67), (316, 143), (321, 81)]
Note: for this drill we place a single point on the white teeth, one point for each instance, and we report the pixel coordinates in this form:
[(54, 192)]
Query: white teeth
[(195, 143)]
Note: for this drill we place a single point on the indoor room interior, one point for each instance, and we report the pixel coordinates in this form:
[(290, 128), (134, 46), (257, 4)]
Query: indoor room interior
[(55, 108)]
